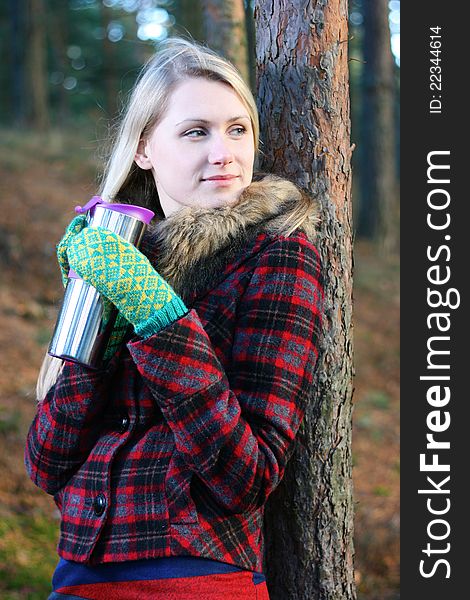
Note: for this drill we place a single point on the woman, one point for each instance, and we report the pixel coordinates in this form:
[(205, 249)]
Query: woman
[(161, 462)]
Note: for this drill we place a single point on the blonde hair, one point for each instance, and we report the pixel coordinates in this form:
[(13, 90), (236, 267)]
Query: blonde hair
[(177, 60)]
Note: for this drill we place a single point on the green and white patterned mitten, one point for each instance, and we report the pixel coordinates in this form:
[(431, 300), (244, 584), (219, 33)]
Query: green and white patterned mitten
[(74, 227), (118, 334), (121, 273), (121, 325)]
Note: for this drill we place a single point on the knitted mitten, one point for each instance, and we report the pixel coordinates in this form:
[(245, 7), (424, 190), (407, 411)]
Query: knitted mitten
[(74, 227), (121, 325), (117, 336), (125, 276)]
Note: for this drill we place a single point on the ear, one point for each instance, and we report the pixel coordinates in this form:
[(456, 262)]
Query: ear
[(141, 158)]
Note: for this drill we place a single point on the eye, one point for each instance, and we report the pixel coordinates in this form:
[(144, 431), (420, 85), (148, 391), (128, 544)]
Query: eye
[(239, 130), (194, 133)]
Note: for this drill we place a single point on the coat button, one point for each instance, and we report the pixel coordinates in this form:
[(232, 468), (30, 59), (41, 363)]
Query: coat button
[(123, 423), (99, 504)]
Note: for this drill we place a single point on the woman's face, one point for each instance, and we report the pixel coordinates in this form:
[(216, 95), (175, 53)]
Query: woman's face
[(202, 152)]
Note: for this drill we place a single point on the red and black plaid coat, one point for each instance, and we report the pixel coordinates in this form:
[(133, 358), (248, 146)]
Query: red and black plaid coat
[(175, 447)]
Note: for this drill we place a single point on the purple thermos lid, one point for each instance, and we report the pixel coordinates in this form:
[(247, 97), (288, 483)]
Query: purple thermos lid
[(142, 214)]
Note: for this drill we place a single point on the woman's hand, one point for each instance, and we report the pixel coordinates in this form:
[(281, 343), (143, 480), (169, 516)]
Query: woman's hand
[(121, 325), (125, 276), (74, 227)]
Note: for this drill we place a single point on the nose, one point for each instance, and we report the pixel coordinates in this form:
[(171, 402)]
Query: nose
[(219, 151)]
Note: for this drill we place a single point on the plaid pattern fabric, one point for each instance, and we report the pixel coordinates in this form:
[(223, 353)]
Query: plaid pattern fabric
[(174, 449)]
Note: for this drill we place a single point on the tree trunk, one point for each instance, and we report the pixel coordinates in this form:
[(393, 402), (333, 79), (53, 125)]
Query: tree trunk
[(109, 74), (17, 41), (189, 19), (225, 31), (59, 35), (251, 43), (302, 70), (37, 65), (378, 217)]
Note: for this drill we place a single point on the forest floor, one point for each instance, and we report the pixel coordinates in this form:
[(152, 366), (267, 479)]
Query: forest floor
[(40, 183)]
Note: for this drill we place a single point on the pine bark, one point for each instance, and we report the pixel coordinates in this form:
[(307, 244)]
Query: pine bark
[(250, 43), (303, 99), (378, 218), (225, 31)]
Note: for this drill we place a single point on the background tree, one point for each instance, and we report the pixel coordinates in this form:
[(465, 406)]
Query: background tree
[(15, 61), (225, 31), (59, 36), (302, 67), (378, 218), (250, 42), (37, 64), (109, 64), (189, 19)]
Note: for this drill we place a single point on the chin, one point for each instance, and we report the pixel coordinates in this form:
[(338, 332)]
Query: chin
[(229, 200), (220, 198)]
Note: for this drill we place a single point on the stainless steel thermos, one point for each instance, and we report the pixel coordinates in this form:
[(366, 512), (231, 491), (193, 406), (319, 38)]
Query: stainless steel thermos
[(85, 322)]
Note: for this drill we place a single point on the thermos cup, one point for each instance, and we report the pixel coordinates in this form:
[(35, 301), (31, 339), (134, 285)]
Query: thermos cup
[(85, 322)]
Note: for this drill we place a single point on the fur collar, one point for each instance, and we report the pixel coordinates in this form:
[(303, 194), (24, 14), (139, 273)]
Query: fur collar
[(191, 247)]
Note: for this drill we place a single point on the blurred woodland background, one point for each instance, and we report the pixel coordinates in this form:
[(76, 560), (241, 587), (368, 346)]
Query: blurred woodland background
[(66, 69)]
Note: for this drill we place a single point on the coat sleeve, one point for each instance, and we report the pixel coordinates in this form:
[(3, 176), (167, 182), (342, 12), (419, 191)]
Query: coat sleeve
[(66, 426), (235, 428)]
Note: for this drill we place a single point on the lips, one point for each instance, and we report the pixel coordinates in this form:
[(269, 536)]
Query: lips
[(220, 178)]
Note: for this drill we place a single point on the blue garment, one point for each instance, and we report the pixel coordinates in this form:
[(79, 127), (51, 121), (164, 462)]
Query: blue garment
[(69, 573)]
